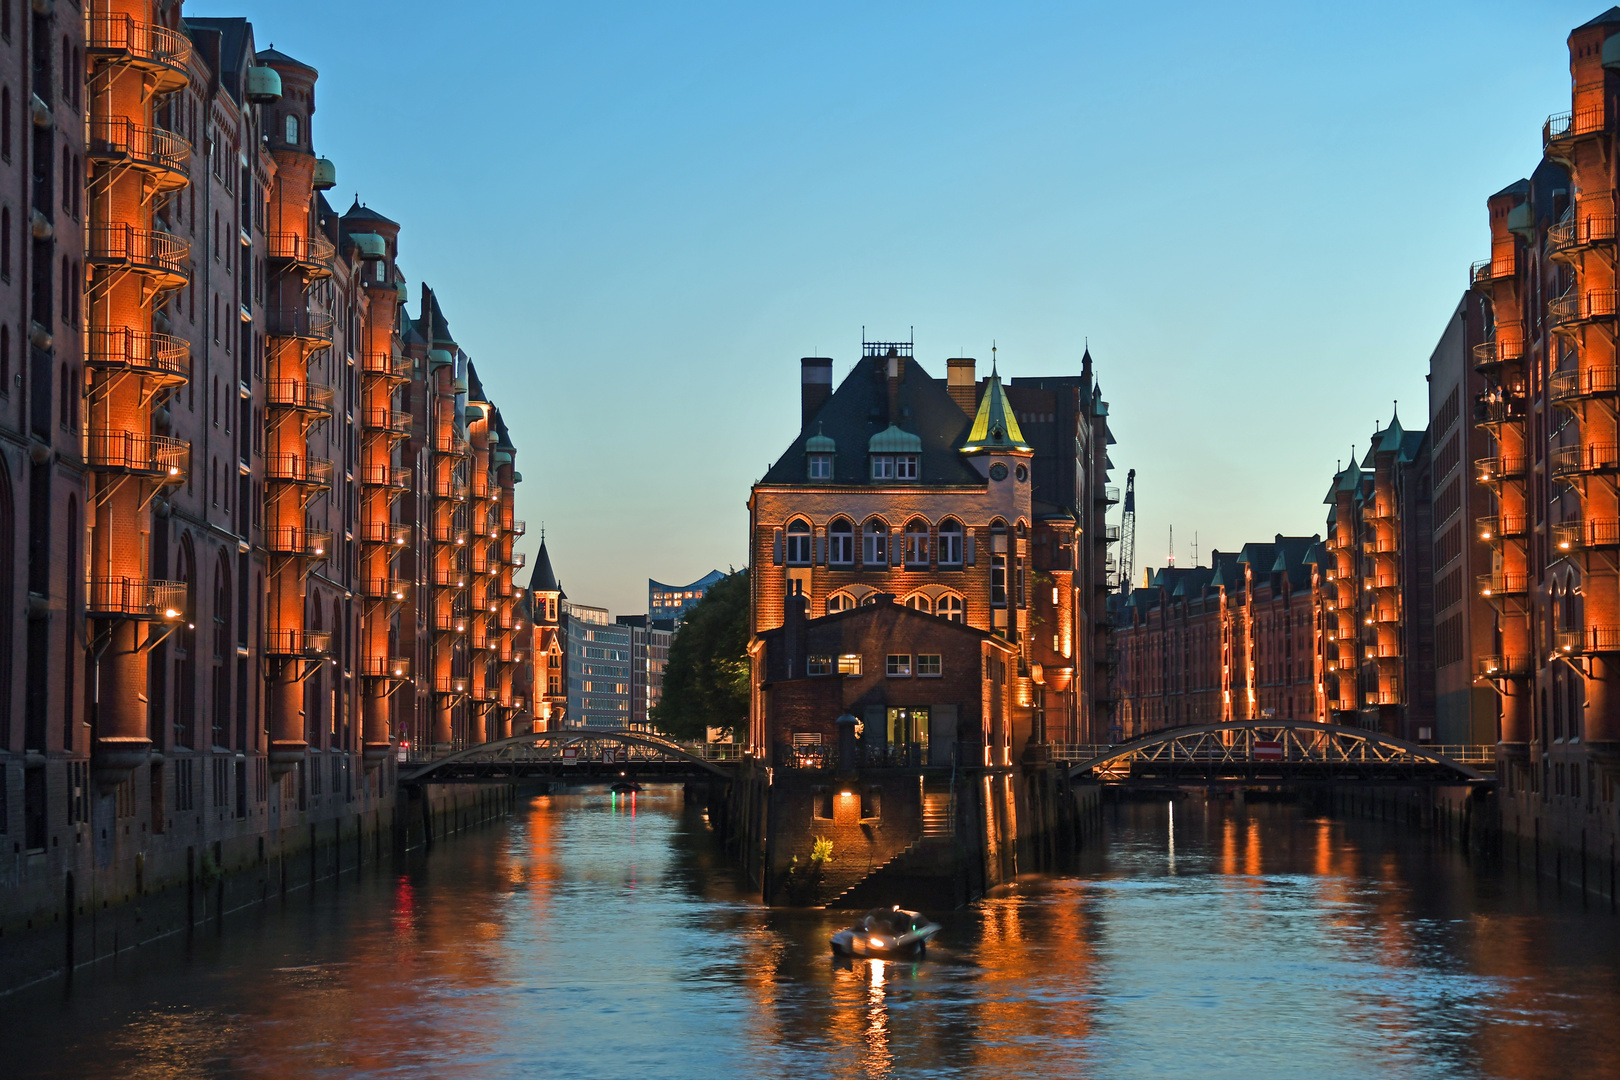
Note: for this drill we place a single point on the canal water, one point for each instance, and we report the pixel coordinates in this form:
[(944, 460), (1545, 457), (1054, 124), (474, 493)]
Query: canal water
[(595, 936)]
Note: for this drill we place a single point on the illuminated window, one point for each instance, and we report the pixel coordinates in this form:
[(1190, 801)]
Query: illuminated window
[(839, 602), (919, 602), (928, 664), (916, 549), (818, 665), (292, 129), (898, 666), (841, 543), (798, 543), (849, 664), (875, 548), (950, 542), (949, 607)]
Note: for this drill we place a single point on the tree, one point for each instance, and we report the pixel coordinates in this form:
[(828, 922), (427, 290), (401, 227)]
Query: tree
[(706, 680)]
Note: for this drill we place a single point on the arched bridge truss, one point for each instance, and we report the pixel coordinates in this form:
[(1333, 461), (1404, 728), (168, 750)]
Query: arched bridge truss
[(569, 752), (1272, 751)]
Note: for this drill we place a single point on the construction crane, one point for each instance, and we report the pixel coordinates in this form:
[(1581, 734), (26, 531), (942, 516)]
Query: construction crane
[(1127, 535)]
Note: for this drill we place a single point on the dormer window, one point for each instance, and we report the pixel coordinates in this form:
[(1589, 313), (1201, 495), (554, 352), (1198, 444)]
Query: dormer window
[(821, 466), (894, 466)]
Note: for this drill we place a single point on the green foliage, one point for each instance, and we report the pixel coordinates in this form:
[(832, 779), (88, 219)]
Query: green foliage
[(706, 681), (821, 851), (802, 883)]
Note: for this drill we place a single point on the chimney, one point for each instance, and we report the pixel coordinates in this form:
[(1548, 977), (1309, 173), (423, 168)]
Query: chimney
[(962, 384), (793, 616), (815, 386), (896, 367)]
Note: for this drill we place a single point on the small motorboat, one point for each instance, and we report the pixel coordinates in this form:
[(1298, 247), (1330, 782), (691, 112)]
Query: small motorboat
[(889, 931), (625, 787)]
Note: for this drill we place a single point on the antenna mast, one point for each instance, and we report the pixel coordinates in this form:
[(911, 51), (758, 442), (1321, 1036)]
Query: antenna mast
[(1127, 536)]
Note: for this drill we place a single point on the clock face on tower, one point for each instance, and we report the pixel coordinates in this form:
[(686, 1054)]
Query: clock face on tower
[(998, 471)]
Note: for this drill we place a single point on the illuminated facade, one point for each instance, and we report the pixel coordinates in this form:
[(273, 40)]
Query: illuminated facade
[(674, 601), (256, 519), (973, 501)]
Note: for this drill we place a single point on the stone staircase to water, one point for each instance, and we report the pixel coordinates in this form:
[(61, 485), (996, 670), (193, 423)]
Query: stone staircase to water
[(922, 875)]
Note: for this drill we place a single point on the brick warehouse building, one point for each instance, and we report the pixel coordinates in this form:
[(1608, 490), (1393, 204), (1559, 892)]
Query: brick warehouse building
[(970, 500), (256, 517)]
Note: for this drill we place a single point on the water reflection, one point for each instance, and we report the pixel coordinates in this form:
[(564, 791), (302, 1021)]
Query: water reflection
[(601, 935)]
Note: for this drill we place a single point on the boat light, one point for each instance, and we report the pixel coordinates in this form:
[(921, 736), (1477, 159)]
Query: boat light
[(876, 943)]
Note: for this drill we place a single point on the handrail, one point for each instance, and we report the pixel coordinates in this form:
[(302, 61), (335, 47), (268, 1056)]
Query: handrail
[(1578, 306), (119, 136), (386, 667), (298, 323), (385, 588), (158, 455), (1566, 385), (391, 476), (136, 597), (140, 249), (297, 540), (163, 355), (397, 421), (139, 40), (385, 363), (297, 642), (1501, 467), (394, 534), (1503, 667), (298, 469), (1571, 125), (1503, 583), (313, 250), (298, 394), (1593, 457)]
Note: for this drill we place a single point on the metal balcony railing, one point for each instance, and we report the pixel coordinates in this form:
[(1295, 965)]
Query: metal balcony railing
[(449, 534), (1384, 697), (385, 364), (1580, 228), (1493, 470), (449, 578), (145, 455), (160, 356), (451, 444), (1593, 382), (1593, 457), (390, 533), (386, 588), (451, 684), (1503, 263), (163, 155), (298, 394), (518, 528), (313, 254), (1503, 667), (298, 469), (1489, 354), (158, 50), (450, 487), (393, 421), (297, 642), (450, 622), (1578, 306), (1569, 126), (518, 560), (1497, 526), (388, 476), (386, 667), (1503, 584), (135, 598), (1108, 493), (160, 256), (1497, 408), (299, 323), (478, 635), (299, 541), (1592, 639)]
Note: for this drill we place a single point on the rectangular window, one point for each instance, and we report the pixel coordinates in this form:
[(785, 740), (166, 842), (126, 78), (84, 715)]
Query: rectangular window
[(905, 467), (899, 665), (818, 665), (841, 550), (882, 467), (849, 664), (821, 803), (928, 664), (950, 548), (798, 547), (998, 581), (820, 466), (876, 548)]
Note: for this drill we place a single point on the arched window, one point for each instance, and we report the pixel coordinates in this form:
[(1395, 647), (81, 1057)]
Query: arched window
[(949, 607), (798, 542), (920, 602), (875, 549), (950, 542), (916, 549), (292, 129), (839, 601), (998, 563), (841, 542), (869, 600)]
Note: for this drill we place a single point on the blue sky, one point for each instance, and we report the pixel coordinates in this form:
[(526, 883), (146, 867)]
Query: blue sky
[(639, 217)]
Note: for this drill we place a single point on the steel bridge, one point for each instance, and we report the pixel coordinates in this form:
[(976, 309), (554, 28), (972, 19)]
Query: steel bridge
[(569, 753), (1259, 752)]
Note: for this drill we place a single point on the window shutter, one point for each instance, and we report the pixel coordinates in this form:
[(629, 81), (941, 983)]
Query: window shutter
[(778, 555), (967, 549)]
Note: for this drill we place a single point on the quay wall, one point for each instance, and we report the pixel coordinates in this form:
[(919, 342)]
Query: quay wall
[(75, 913)]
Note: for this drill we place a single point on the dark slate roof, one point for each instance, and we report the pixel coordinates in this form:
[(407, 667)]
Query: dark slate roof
[(276, 58), (358, 213), (503, 441), (857, 411), (543, 578), (234, 35), (475, 387), (432, 324), (1226, 573), (1610, 16), (1518, 187)]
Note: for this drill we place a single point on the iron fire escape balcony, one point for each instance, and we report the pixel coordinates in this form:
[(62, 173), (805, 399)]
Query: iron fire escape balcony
[(298, 542), (518, 528), (449, 622), (518, 560), (385, 667), (391, 589), (1502, 265), (1495, 470), (1562, 131), (1495, 528), (450, 684), (300, 324), (299, 395), (297, 642), (1579, 231), (1494, 408), (1577, 460), (450, 487), (1107, 493), (1489, 356), (1591, 533), (1568, 386), (395, 477), (1503, 667), (394, 422), (157, 51), (310, 256), (163, 258), (386, 365), (298, 469), (1577, 306), (451, 445), (1503, 583), (162, 155), (137, 455), (450, 577), (386, 533), (450, 534), (1591, 639), (160, 357), (135, 598)]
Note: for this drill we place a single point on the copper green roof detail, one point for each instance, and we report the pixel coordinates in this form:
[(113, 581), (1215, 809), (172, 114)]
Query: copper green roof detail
[(892, 440), (994, 428), (819, 443)]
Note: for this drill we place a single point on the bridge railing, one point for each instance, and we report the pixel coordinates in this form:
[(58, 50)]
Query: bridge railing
[(1463, 754)]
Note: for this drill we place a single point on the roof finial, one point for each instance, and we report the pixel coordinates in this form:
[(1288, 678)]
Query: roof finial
[(992, 357)]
